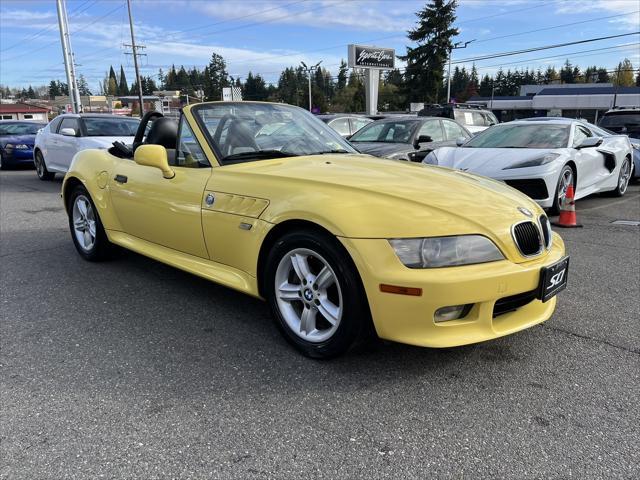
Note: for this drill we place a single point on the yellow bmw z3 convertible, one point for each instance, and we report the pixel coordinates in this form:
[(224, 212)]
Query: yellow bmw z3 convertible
[(266, 199)]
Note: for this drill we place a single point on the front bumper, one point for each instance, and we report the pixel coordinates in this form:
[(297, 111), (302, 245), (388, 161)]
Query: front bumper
[(410, 319), (12, 156)]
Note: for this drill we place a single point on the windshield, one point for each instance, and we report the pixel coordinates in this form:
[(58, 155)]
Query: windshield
[(620, 120), (19, 128), (111, 127), (522, 136), (397, 131), (248, 131)]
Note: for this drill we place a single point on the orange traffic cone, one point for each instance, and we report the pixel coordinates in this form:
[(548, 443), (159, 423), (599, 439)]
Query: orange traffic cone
[(567, 217)]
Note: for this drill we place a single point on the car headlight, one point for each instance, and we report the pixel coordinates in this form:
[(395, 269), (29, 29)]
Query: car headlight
[(19, 146), (434, 252), (535, 162)]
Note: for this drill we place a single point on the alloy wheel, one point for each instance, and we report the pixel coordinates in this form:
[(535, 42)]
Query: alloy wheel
[(566, 179), (84, 223), (308, 295), (39, 165), (625, 176)]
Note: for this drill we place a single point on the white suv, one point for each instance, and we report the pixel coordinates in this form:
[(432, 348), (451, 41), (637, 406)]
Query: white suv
[(66, 135)]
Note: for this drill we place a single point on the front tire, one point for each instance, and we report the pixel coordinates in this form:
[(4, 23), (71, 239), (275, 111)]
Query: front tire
[(87, 231), (624, 177), (41, 167), (315, 294), (567, 177)]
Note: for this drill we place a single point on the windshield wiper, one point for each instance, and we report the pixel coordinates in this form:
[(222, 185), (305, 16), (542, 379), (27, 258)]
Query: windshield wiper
[(260, 154), (326, 152)]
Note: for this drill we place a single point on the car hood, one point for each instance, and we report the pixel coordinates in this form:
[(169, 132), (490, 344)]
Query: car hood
[(17, 139), (366, 197), (487, 160)]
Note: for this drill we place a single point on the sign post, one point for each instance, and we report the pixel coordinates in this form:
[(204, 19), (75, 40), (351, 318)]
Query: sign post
[(371, 60)]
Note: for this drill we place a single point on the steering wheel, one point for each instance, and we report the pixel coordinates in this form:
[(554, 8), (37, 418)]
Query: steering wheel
[(295, 145), (218, 134), (137, 140)]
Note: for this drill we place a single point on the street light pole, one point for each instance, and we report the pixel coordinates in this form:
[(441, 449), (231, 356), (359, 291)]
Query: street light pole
[(455, 47), (309, 70)]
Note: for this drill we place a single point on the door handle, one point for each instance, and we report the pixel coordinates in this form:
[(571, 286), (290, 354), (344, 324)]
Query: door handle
[(121, 178)]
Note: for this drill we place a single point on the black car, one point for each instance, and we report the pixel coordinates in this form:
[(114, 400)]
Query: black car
[(345, 124), (624, 120), (408, 137)]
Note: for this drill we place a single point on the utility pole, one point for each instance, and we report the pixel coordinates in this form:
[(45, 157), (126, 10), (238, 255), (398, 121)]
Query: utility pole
[(69, 67), (309, 71), (455, 47), (135, 54)]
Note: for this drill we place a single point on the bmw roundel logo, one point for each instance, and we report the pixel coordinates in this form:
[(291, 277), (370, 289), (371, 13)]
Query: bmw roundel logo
[(525, 212)]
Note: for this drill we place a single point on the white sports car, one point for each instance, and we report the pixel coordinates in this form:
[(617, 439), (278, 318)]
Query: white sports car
[(66, 135), (542, 157)]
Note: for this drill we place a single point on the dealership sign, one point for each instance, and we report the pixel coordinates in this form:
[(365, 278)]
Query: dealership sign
[(371, 57)]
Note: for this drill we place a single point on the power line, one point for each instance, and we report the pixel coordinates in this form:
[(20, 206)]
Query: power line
[(537, 49), (173, 34), (84, 27), (247, 25), (537, 6), (40, 32), (573, 54), (556, 26)]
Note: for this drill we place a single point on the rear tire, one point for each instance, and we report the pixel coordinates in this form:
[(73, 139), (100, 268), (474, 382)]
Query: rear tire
[(626, 171), (41, 167), (567, 176), (316, 295), (86, 228)]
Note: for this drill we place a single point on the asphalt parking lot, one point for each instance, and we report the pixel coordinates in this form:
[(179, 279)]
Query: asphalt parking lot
[(134, 369)]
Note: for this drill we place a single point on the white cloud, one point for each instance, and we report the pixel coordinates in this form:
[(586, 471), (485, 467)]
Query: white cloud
[(632, 20), (316, 13), (9, 16)]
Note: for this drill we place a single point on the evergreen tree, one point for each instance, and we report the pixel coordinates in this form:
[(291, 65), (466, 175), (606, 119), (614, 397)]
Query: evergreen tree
[(216, 77), (54, 90), (112, 86), (566, 73), (31, 93), (123, 88), (255, 88), (426, 61), (83, 86), (342, 75), (485, 86)]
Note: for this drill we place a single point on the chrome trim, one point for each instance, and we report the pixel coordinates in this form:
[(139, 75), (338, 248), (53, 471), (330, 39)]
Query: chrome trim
[(540, 236), (547, 246)]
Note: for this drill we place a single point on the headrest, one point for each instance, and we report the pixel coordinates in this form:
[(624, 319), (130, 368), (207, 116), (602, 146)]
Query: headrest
[(163, 131)]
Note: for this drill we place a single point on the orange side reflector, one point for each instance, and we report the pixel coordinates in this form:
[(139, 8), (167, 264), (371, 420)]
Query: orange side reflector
[(416, 292)]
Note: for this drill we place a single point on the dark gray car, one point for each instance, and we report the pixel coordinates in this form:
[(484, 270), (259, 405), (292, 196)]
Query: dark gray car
[(407, 137)]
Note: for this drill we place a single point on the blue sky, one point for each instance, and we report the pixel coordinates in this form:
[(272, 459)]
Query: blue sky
[(265, 36)]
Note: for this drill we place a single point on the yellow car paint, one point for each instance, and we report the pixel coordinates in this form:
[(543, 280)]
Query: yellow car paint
[(362, 200)]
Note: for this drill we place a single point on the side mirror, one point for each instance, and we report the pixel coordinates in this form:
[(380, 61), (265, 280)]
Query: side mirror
[(460, 141), (68, 132), (421, 139), (589, 142), (154, 156)]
